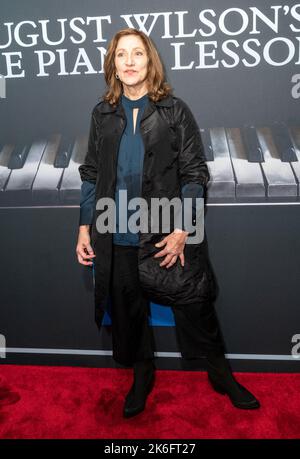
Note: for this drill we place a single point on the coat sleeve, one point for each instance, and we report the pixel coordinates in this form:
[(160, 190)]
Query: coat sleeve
[(87, 202), (88, 175), (88, 170), (192, 165), (193, 191)]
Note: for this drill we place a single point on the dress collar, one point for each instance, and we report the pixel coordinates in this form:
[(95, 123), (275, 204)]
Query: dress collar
[(134, 103)]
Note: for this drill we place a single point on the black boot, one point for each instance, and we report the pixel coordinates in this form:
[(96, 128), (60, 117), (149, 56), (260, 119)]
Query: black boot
[(144, 375), (223, 381)]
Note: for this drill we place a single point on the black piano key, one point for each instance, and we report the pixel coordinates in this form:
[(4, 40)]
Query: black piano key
[(64, 153), (251, 142), (206, 140), (294, 132), (283, 143), (18, 156)]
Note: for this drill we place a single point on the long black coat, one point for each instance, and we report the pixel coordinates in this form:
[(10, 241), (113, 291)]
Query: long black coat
[(173, 157)]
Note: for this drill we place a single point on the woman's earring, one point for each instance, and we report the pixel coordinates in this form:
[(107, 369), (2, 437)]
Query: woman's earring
[(117, 76)]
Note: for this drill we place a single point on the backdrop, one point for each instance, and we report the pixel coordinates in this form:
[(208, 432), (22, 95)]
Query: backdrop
[(236, 64)]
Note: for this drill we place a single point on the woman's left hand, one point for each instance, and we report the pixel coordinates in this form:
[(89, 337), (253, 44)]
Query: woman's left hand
[(175, 246)]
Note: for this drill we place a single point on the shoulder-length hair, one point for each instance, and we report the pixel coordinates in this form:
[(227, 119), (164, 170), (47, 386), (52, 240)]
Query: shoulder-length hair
[(158, 88)]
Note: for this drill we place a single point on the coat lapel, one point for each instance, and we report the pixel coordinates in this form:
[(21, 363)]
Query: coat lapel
[(118, 109)]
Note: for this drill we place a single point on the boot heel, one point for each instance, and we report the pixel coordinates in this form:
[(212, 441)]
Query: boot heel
[(217, 387), (133, 407)]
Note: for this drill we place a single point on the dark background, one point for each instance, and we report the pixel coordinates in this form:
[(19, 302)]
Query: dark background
[(47, 312)]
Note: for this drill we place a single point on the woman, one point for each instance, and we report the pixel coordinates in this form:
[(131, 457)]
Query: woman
[(145, 141)]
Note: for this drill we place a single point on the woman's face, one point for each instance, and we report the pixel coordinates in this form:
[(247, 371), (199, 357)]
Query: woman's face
[(131, 61)]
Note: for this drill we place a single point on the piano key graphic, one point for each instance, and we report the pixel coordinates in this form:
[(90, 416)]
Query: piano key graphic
[(252, 145), (294, 133), (283, 143), (57, 180), (206, 140), (5, 172), (70, 187), (45, 188), (245, 164), (222, 182), (248, 175), (18, 156), (19, 185), (280, 180), (64, 153)]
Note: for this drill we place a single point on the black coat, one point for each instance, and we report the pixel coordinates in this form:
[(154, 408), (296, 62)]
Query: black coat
[(173, 157)]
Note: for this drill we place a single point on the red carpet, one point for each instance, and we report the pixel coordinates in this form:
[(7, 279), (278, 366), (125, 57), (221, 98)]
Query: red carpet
[(76, 402)]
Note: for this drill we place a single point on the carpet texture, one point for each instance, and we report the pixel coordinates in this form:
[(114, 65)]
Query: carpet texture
[(80, 402)]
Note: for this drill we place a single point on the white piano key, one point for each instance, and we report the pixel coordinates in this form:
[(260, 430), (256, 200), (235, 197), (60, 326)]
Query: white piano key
[(5, 172), (18, 190), (295, 136), (70, 187), (279, 175), (222, 182), (249, 179), (46, 183)]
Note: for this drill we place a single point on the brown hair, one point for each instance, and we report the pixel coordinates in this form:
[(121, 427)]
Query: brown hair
[(158, 88)]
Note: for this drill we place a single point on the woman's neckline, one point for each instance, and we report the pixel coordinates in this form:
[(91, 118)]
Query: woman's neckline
[(136, 102)]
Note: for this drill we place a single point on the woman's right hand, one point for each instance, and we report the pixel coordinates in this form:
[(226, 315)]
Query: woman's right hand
[(84, 249)]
